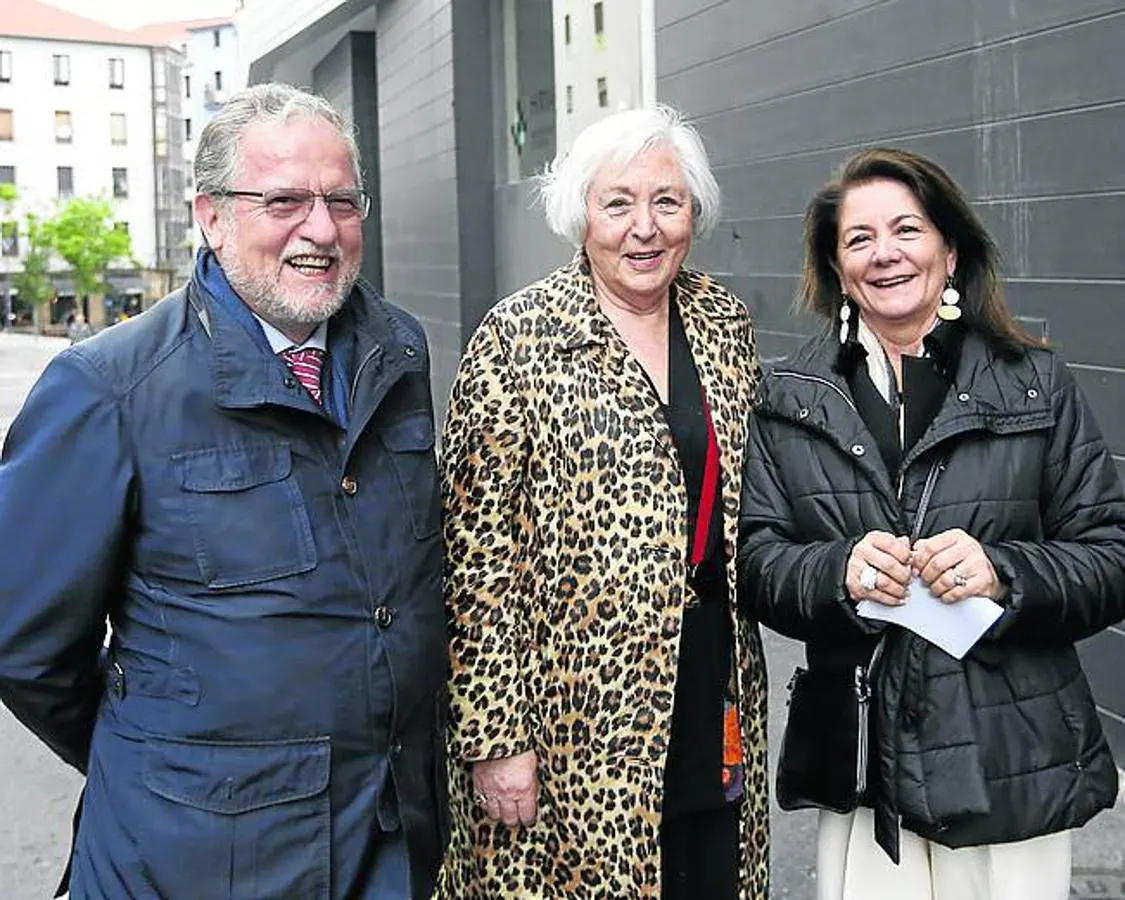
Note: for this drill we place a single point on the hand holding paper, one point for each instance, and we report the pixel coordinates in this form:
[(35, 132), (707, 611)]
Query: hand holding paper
[(954, 627)]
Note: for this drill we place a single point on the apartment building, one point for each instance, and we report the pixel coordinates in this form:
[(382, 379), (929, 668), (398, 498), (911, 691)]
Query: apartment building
[(211, 70), (86, 109)]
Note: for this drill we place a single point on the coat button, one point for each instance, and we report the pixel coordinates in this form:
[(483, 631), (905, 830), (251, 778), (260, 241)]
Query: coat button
[(858, 449), (289, 381), (384, 615), (803, 413), (1032, 393), (349, 486), (410, 352), (963, 397)]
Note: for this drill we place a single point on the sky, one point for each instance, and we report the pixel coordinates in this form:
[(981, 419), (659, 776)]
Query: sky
[(129, 14)]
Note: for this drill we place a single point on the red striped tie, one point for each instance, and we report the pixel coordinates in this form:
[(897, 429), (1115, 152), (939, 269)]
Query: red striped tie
[(306, 364)]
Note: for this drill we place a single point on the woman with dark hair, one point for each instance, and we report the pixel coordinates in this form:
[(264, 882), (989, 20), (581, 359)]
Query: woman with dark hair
[(923, 448)]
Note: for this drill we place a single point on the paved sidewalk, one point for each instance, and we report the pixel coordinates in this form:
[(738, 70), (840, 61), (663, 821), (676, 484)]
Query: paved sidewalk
[(1098, 863)]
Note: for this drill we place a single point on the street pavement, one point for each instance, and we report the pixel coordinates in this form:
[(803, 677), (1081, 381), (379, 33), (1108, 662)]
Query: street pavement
[(37, 792)]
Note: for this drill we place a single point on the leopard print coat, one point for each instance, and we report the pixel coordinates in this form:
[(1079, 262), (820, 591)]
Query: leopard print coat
[(565, 528)]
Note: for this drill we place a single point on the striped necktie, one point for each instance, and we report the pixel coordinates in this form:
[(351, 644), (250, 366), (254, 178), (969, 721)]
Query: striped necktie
[(306, 364)]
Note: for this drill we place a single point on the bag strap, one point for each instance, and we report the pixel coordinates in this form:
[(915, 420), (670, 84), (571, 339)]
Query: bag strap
[(923, 504)]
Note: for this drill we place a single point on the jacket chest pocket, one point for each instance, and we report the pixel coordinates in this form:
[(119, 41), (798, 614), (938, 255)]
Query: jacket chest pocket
[(227, 820), (411, 444), (248, 518)]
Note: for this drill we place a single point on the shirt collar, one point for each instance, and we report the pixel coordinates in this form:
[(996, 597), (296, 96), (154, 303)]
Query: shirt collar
[(318, 340)]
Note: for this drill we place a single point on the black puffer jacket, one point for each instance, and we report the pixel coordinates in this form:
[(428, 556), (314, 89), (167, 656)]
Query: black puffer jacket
[(1005, 744)]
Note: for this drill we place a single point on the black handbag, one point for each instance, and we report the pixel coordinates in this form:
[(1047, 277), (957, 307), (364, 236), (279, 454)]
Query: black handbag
[(823, 760)]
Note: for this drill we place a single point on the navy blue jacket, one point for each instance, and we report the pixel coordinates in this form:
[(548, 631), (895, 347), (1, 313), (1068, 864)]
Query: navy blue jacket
[(272, 586)]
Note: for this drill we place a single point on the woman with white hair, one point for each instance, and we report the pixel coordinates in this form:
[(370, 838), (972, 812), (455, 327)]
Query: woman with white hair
[(608, 729)]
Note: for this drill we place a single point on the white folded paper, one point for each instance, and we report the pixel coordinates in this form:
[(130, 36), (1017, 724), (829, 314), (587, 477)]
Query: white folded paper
[(954, 627)]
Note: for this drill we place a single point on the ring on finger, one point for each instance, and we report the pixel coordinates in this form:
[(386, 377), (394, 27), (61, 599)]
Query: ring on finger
[(868, 577), (959, 580)]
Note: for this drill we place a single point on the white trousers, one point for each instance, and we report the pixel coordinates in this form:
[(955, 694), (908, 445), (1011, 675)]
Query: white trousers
[(851, 866)]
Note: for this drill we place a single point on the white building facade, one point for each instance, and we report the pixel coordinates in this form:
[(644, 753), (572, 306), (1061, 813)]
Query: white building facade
[(213, 70), (77, 119), (89, 110)]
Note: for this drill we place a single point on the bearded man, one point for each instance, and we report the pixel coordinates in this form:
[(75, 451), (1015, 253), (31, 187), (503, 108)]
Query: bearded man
[(241, 482)]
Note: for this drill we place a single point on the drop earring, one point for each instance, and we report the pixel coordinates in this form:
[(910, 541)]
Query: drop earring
[(845, 318), (949, 311)]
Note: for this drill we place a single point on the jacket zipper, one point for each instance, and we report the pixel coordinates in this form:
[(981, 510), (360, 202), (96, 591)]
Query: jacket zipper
[(816, 378), (374, 351), (863, 674)]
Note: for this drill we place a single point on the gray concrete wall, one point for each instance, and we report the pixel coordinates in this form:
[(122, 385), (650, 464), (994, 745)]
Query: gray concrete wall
[(1024, 104)]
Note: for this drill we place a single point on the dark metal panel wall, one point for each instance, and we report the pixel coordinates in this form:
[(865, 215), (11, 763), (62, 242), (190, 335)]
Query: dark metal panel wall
[(346, 78), (1023, 102), (421, 255)]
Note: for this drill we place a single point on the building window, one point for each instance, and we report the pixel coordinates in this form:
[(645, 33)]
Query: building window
[(61, 67), (118, 134), (599, 25), (187, 129), (66, 181), (7, 174), (217, 37), (10, 238), (570, 98), (6, 129), (187, 87), (603, 93), (218, 80), (566, 29), (116, 72), (5, 65), (120, 183), (64, 129), (121, 226)]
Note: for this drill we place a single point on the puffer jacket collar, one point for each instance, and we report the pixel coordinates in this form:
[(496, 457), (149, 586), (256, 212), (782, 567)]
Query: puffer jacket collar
[(988, 393)]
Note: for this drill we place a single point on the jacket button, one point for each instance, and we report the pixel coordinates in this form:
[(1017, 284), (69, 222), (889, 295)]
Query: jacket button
[(1032, 393), (289, 381), (349, 486), (963, 397), (858, 449), (803, 413), (410, 352), (384, 615)]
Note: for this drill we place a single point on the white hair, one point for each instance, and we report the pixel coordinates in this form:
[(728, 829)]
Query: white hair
[(618, 140)]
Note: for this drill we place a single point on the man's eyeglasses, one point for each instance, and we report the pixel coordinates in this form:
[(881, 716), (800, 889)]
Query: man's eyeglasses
[(345, 205)]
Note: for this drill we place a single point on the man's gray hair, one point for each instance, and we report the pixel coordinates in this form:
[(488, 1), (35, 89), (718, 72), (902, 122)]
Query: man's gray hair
[(617, 140), (217, 156)]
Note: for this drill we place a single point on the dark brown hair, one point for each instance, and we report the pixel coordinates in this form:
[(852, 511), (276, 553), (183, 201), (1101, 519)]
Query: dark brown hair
[(982, 301)]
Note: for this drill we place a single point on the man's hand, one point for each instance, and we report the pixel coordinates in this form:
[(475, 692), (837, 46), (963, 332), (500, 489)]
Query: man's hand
[(508, 788)]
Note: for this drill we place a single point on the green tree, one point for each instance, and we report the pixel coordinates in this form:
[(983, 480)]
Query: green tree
[(82, 233), (33, 281)]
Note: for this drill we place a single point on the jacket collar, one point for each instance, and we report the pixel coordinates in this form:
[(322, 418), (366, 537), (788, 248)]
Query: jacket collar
[(244, 375), (987, 392), (580, 321)]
